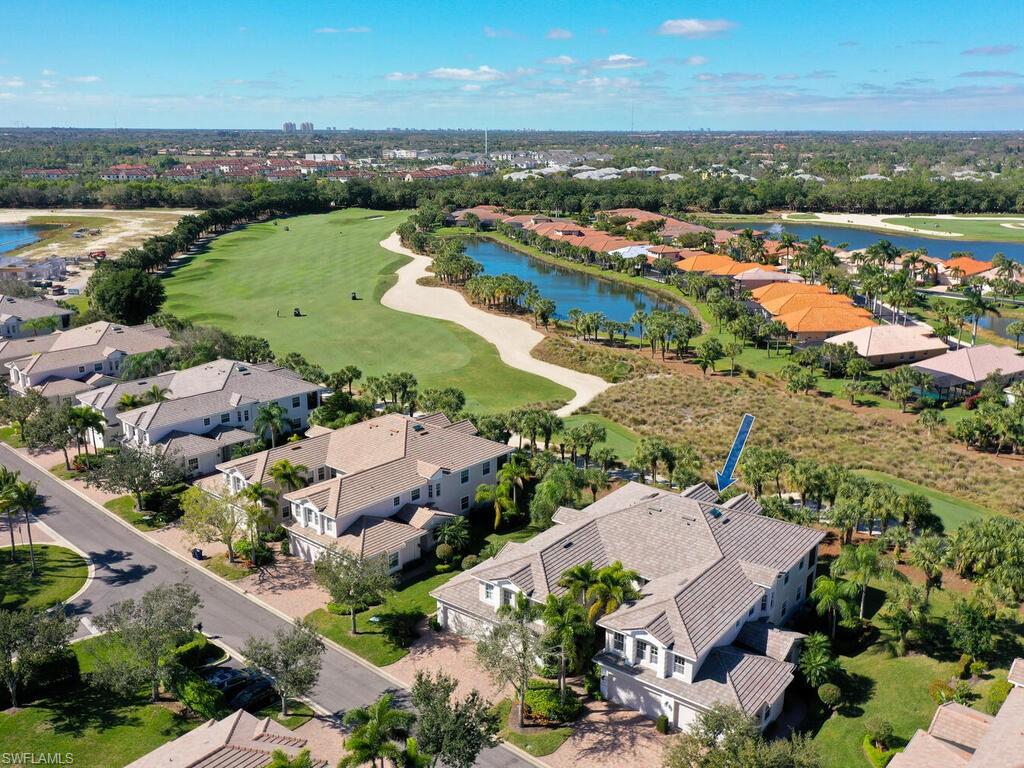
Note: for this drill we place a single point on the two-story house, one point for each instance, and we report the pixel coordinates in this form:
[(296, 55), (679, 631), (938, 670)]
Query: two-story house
[(199, 414), (19, 317), (717, 582), (88, 353), (377, 488)]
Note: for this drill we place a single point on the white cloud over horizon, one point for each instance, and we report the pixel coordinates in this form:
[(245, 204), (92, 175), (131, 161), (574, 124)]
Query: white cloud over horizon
[(695, 28)]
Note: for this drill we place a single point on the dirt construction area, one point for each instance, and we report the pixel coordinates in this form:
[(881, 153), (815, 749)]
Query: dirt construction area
[(100, 229)]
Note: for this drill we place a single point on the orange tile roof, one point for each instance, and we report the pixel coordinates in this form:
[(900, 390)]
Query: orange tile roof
[(968, 265), (775, 290), (837, 319), (739, 267), (795, 302), (704, 262)]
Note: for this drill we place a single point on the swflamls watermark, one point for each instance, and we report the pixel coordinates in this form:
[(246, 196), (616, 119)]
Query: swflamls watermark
[(37, 758)]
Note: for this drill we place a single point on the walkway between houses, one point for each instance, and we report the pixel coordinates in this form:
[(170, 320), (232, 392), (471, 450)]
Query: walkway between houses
[(514, 338)]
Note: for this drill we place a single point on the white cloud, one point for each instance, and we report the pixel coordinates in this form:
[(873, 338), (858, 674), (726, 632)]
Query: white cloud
[(47, 84), (695, 61), (557, 33), (621, 61), (470, 87), (492, 32), (400, 76), (562, 61), (85, 79), (48, 73), (991, 50), (482, 74), (326, 31), (358, 30), (11, 82), (695, 27), (728, 77)]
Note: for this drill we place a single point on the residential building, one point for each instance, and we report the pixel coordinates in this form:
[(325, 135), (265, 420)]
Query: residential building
[(761, 276), (717, 582), (813, 325), (893, 344), (79, 354), (239, 740), (962, 737), (487, 216), (955, 271), (377, 488), (203, 411), (128, 172), (961, 373), (700, 261), (16, 312)]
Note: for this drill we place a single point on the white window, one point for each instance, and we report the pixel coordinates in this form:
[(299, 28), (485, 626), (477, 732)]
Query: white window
[(396, 501), (678, 664), (618, 642), (320, 473), (437, 490), (295, 402), (81, 369), (193, 465), (488, 591), (392, 561), (97, 366), (415, 495), (764, 602), (641, 650), (486, 469), (464, 504), (430, 491), (506, 597), (464, 476), (225, 418), (652, 654), (328, 525)]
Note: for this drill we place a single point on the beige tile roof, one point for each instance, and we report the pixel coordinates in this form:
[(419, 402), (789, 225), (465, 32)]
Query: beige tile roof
[(768, 640), (972, 364), (30, 309), (1003, 745), (94, 342), (16, 349), (1016, 674), (924, 751), (876, 340)]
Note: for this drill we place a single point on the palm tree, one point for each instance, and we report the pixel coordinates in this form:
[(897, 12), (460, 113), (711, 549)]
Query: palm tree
[(596, 479), (566, 625), (23, 498), (280, 759), (261, 500), (578, 580), (833, 597), (129, 402), (614, 586), (817, 664), (930, 555), (155, 394), (272, 418), (376, 728), (863, 563), (639, 318), (455, 533), (904, 609), (976, 306), (8, 480), (289, 477)]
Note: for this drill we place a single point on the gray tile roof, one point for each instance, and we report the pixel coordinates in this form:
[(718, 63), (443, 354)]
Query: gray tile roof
[(16, 349), (29, 309), (768, 640), (95, 342)]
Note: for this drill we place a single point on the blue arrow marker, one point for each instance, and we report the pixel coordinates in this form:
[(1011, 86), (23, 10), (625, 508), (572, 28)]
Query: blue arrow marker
[(725, 478)]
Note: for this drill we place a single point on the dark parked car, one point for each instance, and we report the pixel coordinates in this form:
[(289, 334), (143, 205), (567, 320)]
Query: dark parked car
[(253, 696), (227, 678)]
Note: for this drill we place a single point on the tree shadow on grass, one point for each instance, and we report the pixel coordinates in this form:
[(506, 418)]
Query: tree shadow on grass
[(399, 627), (88, 708), (857, 691)]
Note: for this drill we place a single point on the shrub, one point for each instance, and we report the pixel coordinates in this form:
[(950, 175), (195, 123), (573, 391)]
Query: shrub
[(830, 695), (544, 702), (278, 534), (435, 625), (880, 732), (996, 695), (972, 402), (199, 696), (592, 682), (337, 609), (978, 668), (58, 674), (940, 691), (661, 724), (470, 561), (286, 548), (879, 758), (443, 568), (194, 653), (963, 667), (260, 556), (444, 553), (399, 627), (962, 693)]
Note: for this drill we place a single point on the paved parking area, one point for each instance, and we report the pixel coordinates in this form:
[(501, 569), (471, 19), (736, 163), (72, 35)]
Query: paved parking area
[(610, 737), (450, 653)]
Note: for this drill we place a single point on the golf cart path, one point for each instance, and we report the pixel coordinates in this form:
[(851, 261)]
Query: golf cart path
[(514, 338)]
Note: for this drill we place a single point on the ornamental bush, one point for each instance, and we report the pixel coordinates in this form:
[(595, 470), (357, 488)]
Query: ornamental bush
[(543, 701), (830, 694), (470, 561), (963, 667), (661, 724), (940, 691), (194, 653), (444, 552), (880, 731)]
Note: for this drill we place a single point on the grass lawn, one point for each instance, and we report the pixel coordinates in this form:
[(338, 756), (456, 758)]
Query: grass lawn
[(124, 507), (953, 511), (620, 439), (12, 436), (61, 573), (802, 216), (535, 741), (971, 227), (231, 571), (246, 277), (299, 713), (372, 640), (98, 729), (81, 303)]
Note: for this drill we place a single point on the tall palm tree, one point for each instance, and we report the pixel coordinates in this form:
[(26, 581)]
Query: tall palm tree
[(596, 479), (376, 729), (501, 496), (261, 499), (976, 307), (929, 554), (24, 499), (155, 394), (578, 580), (289, 477), (863, 563), (455, 533), (566, 625), (8, 480), (88, 422), (615, 585), (833, 597), (272, 418)]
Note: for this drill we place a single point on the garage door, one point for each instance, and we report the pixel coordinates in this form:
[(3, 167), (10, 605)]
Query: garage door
[(633, 696)]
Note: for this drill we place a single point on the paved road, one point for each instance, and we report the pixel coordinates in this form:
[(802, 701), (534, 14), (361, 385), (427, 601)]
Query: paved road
[(127, 564)]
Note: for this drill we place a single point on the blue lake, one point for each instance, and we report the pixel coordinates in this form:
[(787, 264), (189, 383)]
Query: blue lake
[(567, 288), (14, 236), (862, 238)]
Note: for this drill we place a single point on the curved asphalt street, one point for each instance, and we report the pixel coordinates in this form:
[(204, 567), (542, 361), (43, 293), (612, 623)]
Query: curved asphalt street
[(127, 564)]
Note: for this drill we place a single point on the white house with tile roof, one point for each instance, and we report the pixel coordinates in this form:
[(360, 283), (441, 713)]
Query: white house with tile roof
[(16, 312), (717, 582), (377, 488), (206, 410)]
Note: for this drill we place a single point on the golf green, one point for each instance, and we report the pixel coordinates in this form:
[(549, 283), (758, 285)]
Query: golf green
[(251, 280)]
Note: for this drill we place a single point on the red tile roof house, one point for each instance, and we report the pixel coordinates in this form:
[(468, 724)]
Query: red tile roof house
[(960, 373), (488, 215), (717, 582)]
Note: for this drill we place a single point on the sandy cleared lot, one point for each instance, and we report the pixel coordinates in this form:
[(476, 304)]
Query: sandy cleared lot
[(119, 230)]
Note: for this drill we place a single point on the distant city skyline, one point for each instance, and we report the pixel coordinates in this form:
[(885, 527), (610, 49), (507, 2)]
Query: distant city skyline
[(598, 65)]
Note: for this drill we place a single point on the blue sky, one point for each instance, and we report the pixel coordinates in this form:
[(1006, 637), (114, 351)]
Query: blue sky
[(786, 64)]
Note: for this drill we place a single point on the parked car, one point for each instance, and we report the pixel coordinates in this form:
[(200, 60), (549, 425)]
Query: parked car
[(227, 678), (253, 696)]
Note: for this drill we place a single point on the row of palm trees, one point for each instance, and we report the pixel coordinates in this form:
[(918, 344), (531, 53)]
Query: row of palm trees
[(18, 496)]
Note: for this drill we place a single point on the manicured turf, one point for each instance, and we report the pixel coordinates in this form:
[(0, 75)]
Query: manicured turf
[(537, 741), (60, 574), (970, 227), (953, 511), (231, 571), (124, 507), (803, 216), (620, 439), (98, 729), (299, 713), (314, 263), (11, 435)]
